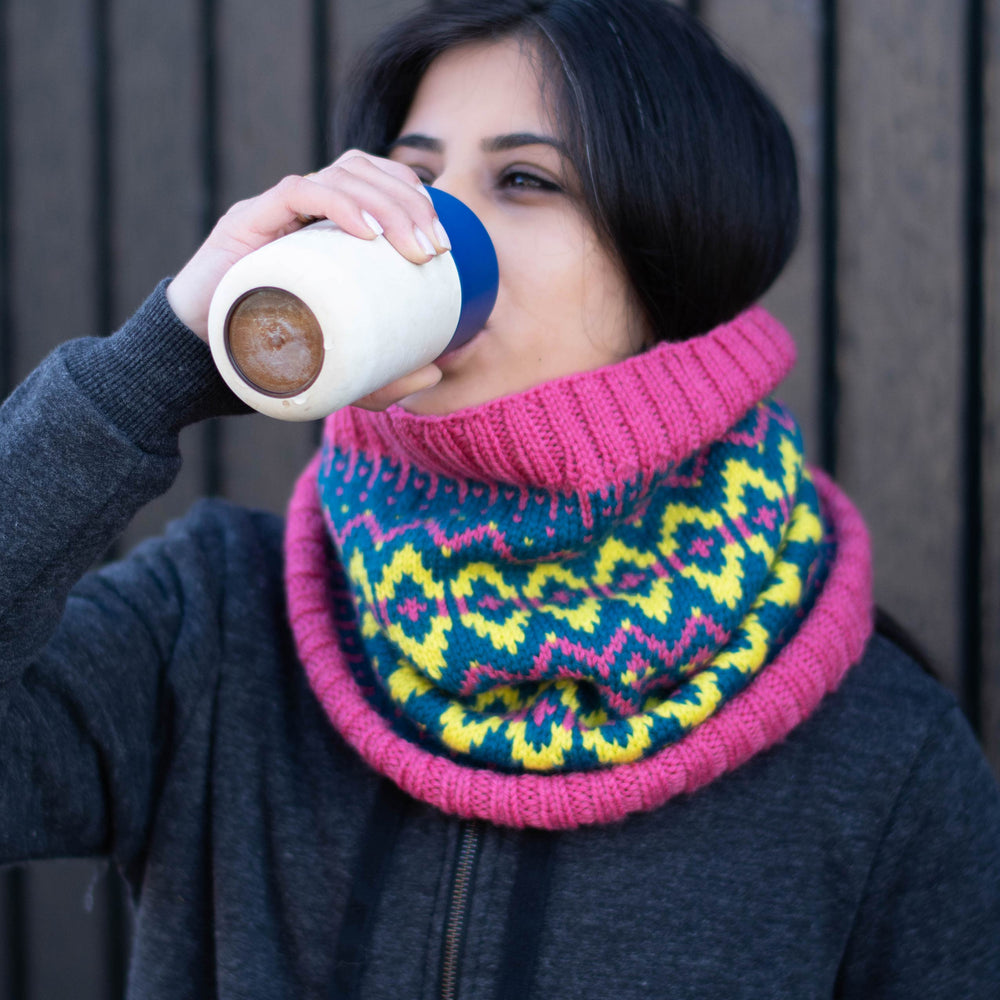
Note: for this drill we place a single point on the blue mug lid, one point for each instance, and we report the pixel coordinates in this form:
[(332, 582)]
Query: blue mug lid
[(475, 260)]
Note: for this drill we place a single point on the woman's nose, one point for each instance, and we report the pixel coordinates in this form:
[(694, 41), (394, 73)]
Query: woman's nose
[(462, 187)]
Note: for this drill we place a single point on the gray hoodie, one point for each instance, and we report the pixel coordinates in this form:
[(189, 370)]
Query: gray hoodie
[(155, 712)]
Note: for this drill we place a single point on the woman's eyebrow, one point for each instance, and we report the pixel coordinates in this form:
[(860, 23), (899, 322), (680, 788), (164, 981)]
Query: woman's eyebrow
[(496, 144), (502, 143), (416, 141)]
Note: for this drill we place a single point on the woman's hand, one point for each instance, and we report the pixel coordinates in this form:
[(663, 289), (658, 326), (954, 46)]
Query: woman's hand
[(364, 195)]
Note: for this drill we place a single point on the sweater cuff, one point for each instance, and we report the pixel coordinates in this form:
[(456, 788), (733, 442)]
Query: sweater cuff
[(151, 378)]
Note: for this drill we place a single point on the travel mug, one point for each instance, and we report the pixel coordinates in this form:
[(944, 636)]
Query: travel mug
[(319, 318)]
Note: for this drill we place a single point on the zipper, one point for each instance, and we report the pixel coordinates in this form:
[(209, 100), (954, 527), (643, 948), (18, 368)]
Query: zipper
[(458, 907)]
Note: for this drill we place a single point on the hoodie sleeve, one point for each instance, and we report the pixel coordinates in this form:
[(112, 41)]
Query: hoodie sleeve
[(85, 441)]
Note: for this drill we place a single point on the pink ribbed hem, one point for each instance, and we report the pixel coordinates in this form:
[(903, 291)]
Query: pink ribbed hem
[(586, 431), (831, 639)]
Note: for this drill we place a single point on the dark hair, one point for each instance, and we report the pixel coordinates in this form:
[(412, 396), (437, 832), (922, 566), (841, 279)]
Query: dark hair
[(688, 170)]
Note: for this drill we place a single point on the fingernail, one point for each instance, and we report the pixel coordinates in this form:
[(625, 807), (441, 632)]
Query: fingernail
[(442, 236), (372, 223), (422, 188), (425, 244)]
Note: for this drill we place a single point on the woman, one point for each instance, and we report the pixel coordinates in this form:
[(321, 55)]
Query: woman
[(560, 677)]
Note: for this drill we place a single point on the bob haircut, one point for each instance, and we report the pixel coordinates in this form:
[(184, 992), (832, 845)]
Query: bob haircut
[(688, 170)]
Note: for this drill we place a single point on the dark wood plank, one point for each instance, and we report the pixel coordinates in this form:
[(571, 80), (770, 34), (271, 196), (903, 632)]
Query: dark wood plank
[(265, 132), (158, 104), (778, 41), (11, 932), (990, 602), (66, 924), (901, 279), (51, 176), (357, 23), (157, 199), (6, 332)]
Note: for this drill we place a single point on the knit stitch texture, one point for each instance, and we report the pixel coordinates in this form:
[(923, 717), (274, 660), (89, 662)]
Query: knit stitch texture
[(581, 581)]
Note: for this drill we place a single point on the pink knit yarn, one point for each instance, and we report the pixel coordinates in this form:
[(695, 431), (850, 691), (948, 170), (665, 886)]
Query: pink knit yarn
[(583, 432), (577, 434)]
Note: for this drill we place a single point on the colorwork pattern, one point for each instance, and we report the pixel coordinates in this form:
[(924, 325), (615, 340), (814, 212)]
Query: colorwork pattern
[(534, 631)]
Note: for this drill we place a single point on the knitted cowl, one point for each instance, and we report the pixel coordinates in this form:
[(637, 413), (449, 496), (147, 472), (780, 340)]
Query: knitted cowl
[(570, 604)]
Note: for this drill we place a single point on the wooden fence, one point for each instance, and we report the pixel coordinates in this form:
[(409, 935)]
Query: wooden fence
[(126, 126)]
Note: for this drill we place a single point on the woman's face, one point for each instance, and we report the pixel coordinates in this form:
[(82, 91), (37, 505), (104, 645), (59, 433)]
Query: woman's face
[(479, 130)]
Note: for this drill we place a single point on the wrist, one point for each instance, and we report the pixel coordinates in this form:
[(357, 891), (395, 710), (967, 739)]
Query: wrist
[(186, 307), (152, 377)]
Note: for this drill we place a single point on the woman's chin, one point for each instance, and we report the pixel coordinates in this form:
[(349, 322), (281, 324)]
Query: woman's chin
[(452, 361), (462, 383)]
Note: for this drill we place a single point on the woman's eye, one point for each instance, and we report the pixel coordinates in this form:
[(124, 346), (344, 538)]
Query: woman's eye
[(426, 176), (521, 180)]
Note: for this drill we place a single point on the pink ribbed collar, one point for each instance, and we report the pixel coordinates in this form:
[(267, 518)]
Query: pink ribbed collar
[(586, 431)]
